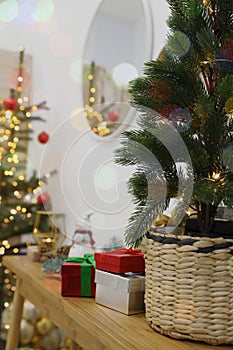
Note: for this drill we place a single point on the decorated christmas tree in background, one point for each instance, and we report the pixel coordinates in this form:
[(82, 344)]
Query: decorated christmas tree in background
[(185, 94), (20, 197), (18, 201)]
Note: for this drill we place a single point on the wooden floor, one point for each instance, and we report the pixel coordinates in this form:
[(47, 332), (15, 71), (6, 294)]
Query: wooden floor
[(92, 326)]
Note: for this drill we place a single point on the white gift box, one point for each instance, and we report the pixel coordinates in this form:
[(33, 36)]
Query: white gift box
[(124, 293)]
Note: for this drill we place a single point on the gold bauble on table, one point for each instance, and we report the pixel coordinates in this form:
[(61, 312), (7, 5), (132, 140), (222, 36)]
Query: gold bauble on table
[(44, 326)]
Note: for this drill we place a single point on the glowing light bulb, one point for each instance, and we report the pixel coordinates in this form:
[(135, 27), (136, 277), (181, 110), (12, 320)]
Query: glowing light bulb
[(216, 176), (2, 250)]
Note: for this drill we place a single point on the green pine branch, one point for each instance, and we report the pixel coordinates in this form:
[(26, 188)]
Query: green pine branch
[(141, 219)]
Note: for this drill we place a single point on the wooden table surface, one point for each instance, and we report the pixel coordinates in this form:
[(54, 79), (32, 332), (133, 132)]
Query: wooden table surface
[(88, 324)]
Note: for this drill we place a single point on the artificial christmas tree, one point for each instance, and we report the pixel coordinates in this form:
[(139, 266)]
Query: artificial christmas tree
[(18, 193), (191, 88), (182, 149)]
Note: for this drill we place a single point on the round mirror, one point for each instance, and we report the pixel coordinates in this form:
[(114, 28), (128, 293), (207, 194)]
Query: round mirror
[(118, 44)]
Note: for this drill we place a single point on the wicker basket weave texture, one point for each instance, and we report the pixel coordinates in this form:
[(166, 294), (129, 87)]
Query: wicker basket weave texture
[(189, 287)]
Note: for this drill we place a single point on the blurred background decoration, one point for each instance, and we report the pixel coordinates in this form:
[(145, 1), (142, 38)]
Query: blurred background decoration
[(104, 117)]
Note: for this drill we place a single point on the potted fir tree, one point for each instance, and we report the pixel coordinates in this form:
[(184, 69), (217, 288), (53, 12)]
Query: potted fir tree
[(183, 149)]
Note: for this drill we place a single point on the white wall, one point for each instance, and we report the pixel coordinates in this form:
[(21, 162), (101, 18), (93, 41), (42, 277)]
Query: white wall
[(78, 157)]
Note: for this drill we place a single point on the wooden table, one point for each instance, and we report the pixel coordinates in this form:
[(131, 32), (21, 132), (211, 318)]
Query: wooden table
[(88, 324)]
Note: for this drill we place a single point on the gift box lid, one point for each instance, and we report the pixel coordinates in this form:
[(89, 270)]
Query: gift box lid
[(72, 266), (127, 282), (129, 258)]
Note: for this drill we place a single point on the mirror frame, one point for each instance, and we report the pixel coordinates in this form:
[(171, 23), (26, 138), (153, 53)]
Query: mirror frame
[(149, 38)]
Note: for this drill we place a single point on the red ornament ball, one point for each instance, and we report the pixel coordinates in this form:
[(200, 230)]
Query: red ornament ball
[(43, 137), (10, 103), (43, 198), (113, 116)]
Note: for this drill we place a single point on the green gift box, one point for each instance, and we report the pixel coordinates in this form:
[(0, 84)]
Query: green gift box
[(78, 276)]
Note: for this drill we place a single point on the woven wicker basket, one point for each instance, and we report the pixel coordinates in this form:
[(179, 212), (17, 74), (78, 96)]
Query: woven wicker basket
[(189, 287)]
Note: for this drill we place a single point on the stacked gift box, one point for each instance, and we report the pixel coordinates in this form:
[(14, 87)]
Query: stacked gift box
[(116, 279), (120, 280), (78, 276)]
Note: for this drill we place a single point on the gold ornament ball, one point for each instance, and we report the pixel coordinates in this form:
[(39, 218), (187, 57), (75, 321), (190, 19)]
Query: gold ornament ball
[(67, 342), (36, 341), (206, 3), (44, 326)]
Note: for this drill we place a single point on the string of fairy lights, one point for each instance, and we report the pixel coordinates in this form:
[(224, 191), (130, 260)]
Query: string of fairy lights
[(15, 128), (13, 114), (103, 117), (98, 124)]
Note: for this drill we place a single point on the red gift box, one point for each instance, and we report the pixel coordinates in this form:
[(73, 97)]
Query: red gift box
[(78, 277), (120, 261)]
